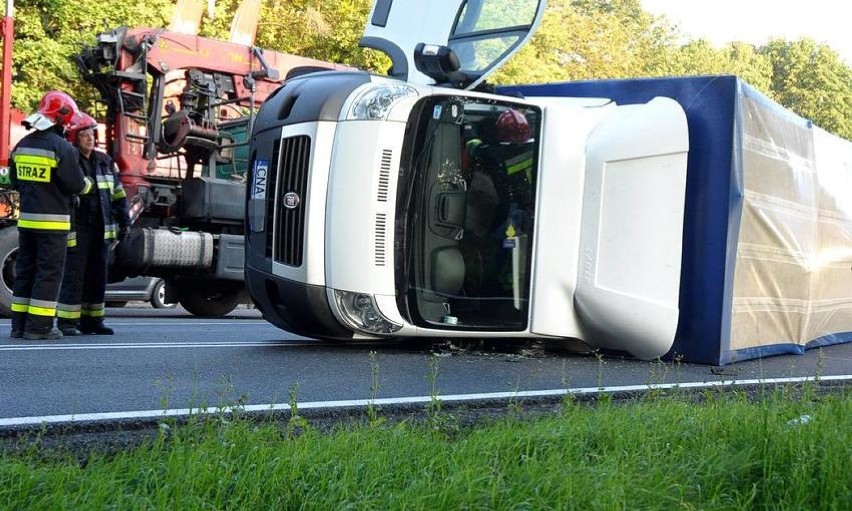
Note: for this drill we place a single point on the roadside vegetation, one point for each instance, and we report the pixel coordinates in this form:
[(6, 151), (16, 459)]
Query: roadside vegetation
[(777, 448), (577, 40)]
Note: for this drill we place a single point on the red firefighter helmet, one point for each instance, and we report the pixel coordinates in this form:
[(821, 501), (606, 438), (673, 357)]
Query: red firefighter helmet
[(54, 108), (512, 126), (79, 122)]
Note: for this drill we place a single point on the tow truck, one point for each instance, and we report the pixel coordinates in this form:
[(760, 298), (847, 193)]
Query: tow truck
[(178, 109), (656, 217)]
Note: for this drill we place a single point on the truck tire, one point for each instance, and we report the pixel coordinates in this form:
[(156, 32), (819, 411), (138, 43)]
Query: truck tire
[(209, 301), (8, 252), (158, 297)]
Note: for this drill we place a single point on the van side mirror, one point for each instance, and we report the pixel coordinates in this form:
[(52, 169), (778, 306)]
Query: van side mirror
[(440, 63)]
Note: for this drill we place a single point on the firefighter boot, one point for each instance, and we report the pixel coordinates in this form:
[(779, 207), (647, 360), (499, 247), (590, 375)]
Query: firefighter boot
[(47, 335), (19, 319), (40, 328), (95, 326), (68, 327)]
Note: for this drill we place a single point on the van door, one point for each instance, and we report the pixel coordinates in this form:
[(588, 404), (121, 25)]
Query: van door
[(628, 283), (480, 34)]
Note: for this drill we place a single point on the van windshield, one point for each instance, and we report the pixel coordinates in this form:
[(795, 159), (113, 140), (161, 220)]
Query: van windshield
[(466, 214)]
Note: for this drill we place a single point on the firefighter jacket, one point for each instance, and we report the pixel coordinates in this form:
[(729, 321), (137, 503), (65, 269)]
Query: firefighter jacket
[(106, 203), (46, 172)]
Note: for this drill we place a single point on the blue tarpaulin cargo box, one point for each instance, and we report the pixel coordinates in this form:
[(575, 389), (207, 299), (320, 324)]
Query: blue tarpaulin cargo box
[(767, 249)]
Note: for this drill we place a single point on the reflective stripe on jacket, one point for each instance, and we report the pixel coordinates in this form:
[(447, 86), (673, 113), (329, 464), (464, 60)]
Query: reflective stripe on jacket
[(45, 171), (107, 191)]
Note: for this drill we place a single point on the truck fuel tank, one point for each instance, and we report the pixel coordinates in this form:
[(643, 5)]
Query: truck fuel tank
[(144, 249)]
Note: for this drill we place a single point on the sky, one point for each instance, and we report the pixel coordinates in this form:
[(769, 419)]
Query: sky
[(757, 21)]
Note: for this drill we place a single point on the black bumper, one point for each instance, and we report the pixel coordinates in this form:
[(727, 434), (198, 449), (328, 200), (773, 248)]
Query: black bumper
[(294, 306)]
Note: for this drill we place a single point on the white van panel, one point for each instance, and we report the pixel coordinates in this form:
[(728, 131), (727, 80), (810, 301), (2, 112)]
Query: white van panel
[(561, 180), (312, 271), (410, 22), (360, 226), (632, 228)]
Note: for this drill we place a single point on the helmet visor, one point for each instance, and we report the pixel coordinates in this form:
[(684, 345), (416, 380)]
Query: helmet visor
[(38, 122)]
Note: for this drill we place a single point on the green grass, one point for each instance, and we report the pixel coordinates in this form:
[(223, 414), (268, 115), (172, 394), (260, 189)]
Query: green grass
[(722, 452)]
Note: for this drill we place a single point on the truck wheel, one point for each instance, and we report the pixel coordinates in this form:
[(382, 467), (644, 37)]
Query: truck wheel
[(158, 297), (208, 301), (8, 253)]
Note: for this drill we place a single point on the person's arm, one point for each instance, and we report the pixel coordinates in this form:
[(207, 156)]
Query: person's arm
[(13, 172), (119, 204), (69, 173)]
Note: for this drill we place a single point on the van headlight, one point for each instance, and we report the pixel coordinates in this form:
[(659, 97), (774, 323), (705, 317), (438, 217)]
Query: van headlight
[(375, 102), (360, 311)]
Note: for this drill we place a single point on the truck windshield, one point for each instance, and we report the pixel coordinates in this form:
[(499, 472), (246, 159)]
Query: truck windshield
[(466, 214)]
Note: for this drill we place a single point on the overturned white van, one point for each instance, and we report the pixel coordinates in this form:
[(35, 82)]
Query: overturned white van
[(625, 215)]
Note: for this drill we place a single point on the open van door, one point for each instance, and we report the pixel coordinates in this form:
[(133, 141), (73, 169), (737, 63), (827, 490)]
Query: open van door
[(455, 43)]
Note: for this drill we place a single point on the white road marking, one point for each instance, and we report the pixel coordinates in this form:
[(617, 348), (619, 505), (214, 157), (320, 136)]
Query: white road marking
[(150, 345), (310, 405), (147, 324)]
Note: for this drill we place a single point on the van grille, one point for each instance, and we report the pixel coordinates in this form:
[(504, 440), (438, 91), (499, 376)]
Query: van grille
[(271, 179), (291, 200), (381, 239), (384, 175)]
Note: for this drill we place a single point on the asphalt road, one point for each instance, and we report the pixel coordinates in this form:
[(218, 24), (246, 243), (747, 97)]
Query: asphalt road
[(169, 360)]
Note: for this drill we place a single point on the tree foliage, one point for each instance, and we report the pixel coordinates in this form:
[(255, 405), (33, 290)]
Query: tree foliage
[(588, 39), (311, 28), (49, 32), (578, 39), (813, 81)]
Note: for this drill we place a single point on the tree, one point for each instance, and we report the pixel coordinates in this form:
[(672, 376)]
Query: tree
[(593, 39), (699, 57), (586, 39), (813, 81), (49, 32), (578, 39), (322, 30)]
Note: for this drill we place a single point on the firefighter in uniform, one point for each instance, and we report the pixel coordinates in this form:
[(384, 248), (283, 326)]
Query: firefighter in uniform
[(100, 217), (500, 196), (45, 171), (504, 159)]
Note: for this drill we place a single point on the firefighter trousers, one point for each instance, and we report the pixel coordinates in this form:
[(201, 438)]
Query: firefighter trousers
[(81, 299), (38, 275)]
